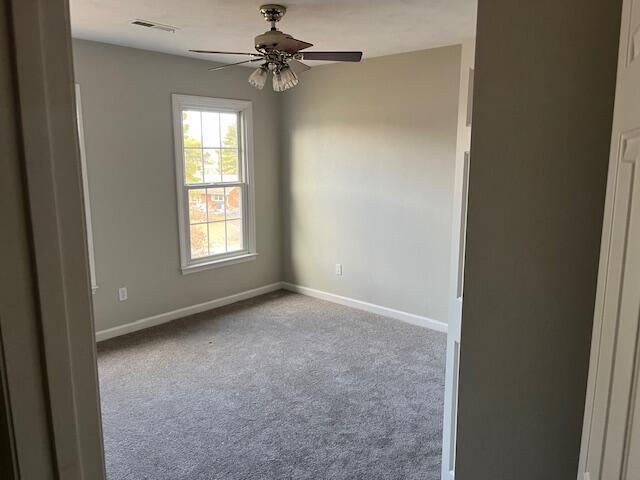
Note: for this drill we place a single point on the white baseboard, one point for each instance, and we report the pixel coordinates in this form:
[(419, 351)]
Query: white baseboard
[(411, 318), (311, 292), (183, 312)]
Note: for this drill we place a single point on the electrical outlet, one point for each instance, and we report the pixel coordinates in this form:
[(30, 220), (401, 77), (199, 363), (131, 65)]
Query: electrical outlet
[(122, 294), (338, 269)]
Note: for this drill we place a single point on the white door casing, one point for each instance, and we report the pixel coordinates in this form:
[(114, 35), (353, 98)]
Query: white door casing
[(611, 432), (457, 259), (85, 190)]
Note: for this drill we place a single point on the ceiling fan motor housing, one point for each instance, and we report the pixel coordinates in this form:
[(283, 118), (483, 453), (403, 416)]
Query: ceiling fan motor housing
[(268, 40)]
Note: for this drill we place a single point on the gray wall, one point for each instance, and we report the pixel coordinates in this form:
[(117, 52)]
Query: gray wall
[(365, 179), (544, 88), (368, 162), (126, 100)]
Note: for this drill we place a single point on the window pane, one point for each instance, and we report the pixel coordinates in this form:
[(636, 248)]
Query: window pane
[(229, 165), (199, 240), (197, 206), (215, 199), (211, 159), (211, 129), (191, 130), (193, 165), (216, 238), (229, 129), (233, 202), (234, 235)]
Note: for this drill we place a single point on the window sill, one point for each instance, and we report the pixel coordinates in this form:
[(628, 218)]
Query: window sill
[(223, 262)]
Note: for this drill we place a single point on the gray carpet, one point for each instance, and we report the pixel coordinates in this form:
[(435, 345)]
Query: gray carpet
[(281, 386)]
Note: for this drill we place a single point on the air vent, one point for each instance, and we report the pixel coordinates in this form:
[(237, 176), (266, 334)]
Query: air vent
[(157, 26)]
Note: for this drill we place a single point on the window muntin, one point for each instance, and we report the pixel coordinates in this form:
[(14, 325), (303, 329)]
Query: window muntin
[(213, 178)]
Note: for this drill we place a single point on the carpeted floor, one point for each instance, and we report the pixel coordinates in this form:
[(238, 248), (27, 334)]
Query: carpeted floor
[(282, 386)]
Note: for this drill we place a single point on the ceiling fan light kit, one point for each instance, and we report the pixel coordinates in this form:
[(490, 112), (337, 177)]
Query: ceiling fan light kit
[(281, 54), (259, 77), (284, 79)]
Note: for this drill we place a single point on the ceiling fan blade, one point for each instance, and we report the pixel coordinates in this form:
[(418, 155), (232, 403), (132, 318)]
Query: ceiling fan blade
[(221, 67), (291, 45), (333, 56), (225, 53), (298, 67)]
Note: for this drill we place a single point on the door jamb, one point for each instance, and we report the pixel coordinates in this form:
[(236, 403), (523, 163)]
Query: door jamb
[(599, 360), (50, 161)]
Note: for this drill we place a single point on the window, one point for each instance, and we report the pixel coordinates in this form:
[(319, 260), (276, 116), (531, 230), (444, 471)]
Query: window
[(215, 183)]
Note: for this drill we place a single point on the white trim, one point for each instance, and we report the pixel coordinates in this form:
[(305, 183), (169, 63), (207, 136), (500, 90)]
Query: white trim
[(183, 312), (245, 143), (58, 432), (272, 287), (606, 249), (604, 355), (217, 263), (411, 318), (85, 191)]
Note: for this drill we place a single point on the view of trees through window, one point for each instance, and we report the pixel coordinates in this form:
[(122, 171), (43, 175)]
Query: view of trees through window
[(213, 182)]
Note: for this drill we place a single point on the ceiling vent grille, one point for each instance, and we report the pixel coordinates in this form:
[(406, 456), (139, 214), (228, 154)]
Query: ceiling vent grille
[(157, 26)]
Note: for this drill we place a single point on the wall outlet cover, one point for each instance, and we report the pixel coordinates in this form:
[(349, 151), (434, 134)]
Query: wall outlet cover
[(122, 294)]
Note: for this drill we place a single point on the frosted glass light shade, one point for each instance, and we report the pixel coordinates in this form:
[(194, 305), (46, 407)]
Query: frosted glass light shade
[(277, 82), (258, 78), (284, 79)]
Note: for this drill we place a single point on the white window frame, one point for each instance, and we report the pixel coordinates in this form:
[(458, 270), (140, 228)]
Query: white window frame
[(245, 150)]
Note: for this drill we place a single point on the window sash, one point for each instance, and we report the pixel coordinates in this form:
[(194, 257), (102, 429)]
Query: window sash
[(240, 127), (245, 231)]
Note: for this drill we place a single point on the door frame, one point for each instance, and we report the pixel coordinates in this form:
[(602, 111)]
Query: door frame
[(603, 338), (59, 345), (458, 240), (596, 360)]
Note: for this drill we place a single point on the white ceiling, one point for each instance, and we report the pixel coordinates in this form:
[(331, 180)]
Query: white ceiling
[(376, 27)]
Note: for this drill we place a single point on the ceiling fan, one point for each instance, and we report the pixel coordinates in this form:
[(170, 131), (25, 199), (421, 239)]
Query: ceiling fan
[(281, 54)]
